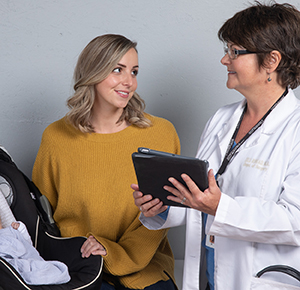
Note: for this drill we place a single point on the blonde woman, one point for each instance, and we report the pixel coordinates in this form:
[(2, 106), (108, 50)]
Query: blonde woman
[(84, 167)]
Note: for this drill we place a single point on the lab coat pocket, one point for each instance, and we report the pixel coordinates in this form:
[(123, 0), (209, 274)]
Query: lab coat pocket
[(264, 284), (259, 283)]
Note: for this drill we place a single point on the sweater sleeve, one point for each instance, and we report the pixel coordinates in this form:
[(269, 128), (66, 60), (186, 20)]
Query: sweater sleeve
[(42, 173), (124, 256)]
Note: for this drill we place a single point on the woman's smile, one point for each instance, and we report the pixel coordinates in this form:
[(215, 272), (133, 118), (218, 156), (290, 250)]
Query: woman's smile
[(122, 94)]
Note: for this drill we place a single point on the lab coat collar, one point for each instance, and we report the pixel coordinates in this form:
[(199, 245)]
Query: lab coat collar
[(286, 106), (228, 128), (280, 113)]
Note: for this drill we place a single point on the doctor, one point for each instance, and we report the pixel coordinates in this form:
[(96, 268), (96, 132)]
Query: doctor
[(252, 211)]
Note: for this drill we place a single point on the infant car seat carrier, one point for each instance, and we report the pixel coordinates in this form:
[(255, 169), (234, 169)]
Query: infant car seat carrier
[(33, 209)]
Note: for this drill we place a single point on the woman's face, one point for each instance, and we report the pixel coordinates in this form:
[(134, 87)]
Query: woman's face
[(244, 73), (117, 89)]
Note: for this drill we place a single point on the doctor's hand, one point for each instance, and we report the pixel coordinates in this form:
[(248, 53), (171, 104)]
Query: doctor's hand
[(147, 205), (206, 201)]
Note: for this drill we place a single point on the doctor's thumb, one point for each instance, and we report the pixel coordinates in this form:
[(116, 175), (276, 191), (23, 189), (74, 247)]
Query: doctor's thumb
[(211, 179)]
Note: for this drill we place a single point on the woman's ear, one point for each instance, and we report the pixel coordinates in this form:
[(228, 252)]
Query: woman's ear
[(273, 60)]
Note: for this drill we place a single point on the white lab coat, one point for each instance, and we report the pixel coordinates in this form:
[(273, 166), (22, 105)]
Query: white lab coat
[(257, 223)]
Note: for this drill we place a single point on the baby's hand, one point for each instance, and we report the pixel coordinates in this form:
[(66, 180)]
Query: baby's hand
[(15, 225)]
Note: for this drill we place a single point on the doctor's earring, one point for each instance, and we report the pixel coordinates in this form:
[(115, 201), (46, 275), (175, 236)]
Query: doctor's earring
[(269, 78)]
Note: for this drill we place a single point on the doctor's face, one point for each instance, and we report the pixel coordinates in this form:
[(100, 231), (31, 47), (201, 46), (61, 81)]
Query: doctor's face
[(244, 73)]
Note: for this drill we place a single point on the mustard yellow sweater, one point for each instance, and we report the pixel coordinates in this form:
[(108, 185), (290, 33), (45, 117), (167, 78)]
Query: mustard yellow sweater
[(87, 178)]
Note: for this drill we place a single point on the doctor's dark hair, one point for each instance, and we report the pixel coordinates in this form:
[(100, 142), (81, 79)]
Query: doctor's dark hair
[(264, 28), (95, 63)]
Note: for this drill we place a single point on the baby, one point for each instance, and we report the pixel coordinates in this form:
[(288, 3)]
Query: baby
[(22, 229), (17, 249)]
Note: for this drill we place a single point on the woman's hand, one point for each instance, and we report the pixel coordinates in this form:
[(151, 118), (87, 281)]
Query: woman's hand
[(147, 205), (92, 247), (193, 197)]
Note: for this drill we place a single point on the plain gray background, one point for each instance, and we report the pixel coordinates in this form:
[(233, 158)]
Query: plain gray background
[(180, 77)]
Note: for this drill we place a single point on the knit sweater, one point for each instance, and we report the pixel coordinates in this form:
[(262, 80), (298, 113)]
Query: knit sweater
[(87, 178)]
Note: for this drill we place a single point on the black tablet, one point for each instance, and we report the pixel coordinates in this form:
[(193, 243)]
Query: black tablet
[(153, 168)]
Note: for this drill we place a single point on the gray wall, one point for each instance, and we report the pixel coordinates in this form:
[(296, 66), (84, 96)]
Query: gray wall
[(180, 75)]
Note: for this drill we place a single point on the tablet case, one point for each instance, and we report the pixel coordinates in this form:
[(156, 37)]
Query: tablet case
[(153, 171)]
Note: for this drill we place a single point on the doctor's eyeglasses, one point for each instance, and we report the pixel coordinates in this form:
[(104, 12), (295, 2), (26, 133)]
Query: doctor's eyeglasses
[(233, 52)]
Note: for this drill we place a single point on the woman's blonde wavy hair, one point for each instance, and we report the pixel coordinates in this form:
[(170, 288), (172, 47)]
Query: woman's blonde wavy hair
[(95, 63)]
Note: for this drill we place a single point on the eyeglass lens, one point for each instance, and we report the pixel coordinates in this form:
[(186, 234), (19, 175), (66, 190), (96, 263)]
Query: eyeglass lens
[(231, 52)]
